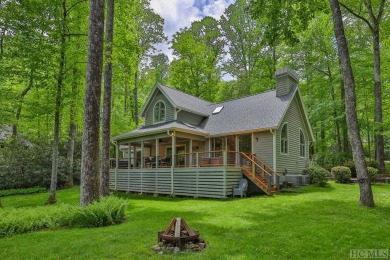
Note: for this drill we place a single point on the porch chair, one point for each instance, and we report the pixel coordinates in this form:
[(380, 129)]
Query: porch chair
[(241, 188)]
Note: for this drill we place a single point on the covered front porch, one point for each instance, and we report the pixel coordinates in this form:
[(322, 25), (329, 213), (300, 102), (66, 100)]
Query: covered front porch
[(178, 163)]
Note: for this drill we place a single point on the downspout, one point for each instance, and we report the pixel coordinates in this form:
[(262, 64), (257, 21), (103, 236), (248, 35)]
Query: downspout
[(172, 162), (116, 161), (273, 132), (176, 112)]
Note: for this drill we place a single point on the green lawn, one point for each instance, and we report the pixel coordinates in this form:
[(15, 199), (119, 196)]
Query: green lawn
[(314, 223)]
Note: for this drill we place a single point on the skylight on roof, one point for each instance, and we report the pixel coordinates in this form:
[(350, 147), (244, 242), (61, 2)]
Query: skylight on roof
[(217, 110), (189, 125)]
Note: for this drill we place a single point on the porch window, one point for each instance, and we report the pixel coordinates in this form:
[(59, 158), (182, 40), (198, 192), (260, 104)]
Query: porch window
[(302, 145), (159, 112), (284, 140)]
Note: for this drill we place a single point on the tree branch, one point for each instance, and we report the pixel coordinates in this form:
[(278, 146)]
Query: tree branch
[(357, 16), (381, 8), (74, 5), (76, 34)]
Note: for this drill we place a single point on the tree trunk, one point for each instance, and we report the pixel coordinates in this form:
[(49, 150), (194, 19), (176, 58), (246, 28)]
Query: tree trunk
[(56, 135), (106, 129), (19, 109), (380, 146), (72, 132), (366, 197), (89, 186), (135, 94)]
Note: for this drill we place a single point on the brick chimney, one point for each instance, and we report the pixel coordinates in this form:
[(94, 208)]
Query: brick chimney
[(285, 79)]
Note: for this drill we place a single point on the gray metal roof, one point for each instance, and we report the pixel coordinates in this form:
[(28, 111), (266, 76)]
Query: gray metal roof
[(160, 128), (186, 101)]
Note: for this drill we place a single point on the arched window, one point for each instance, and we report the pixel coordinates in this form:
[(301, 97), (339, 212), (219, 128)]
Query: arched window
[(284, 140), (302, 144), (159, 112)]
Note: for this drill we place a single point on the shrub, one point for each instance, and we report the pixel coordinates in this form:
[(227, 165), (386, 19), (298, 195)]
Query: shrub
[(351, 165), (372, 163), (329, 159), (108, 211), (341, 174), (12, 192), (317, 174), (372, 173), (26, 166)]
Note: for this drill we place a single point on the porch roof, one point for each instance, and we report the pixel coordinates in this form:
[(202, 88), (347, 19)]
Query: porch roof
[(161, 128)]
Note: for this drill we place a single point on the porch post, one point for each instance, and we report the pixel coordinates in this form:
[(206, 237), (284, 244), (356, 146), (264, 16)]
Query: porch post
[(173, 160), (142, 154), (116, 163), (224, 158), (190, 150), (129, 156), (237, 149), (173, 149), (135, 156), (157, 151)]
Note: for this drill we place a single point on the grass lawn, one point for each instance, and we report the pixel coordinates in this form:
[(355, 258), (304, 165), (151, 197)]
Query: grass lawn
[(313, 223)]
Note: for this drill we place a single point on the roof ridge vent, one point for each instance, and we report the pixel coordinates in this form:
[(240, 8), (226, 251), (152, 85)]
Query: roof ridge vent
[(217, 110)]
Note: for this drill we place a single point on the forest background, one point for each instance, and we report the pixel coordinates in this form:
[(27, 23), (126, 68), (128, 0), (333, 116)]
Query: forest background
[(43, 49)]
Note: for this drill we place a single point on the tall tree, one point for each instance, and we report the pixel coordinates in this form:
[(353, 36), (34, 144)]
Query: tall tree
[(89, 183), (198, 50), (373, 22), (106, 122), (249, 59), (53, 180), (366, 197)]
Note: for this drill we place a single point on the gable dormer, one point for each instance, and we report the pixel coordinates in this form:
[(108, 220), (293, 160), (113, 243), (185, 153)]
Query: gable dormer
[(158, 109), (166, 104)]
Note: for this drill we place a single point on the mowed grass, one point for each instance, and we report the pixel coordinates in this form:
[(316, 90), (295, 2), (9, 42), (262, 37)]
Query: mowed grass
[(311, 223)]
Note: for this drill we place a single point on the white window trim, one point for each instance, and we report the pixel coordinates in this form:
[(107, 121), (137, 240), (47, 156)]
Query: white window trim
[(165, 112), (304, 143), (280, 141)]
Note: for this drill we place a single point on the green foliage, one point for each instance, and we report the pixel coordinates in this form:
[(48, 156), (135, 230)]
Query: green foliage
[(12, 192), (372, 163), (108, 211), (372, 173), (329, 159), (24, 166), (317, 174), (341, 174), (198, 49), (351, 165)]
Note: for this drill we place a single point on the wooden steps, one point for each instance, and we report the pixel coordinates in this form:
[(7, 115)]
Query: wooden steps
[(256, 171)]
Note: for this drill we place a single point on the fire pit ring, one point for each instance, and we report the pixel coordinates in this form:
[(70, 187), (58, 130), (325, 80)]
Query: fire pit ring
[(179, 233)]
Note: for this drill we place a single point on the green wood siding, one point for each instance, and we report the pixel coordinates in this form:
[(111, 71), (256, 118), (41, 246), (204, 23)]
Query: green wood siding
[(292, 161), (189, 118), (263, 147), (212, 182), (170, 110)]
